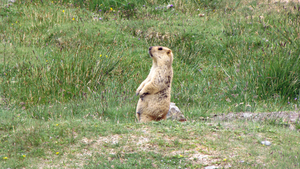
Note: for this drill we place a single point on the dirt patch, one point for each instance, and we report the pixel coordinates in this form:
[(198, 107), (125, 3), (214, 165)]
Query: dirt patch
[(289, 117), (129, 143)]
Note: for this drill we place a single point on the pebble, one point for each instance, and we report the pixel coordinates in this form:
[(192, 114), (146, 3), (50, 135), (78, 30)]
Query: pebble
[(266, 143), (211, 167)]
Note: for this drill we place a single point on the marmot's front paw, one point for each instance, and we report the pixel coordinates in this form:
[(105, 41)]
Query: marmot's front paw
[(138, 92), (143, 95)]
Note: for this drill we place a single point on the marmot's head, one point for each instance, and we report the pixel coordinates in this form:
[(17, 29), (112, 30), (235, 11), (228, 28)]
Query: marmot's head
[(161, 55)]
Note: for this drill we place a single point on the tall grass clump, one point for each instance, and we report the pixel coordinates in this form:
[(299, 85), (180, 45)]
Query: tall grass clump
[(266, 64), (55, 64), (59, 78)]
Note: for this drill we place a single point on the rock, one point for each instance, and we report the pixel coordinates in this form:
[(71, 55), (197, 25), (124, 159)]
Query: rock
[(247, 115), (266, 143), (174, 113)]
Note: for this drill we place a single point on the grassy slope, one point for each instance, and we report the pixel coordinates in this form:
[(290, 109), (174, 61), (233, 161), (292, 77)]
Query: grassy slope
[(69, 78)]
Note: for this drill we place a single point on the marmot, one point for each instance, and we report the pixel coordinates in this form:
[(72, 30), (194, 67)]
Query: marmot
[(155, 91)]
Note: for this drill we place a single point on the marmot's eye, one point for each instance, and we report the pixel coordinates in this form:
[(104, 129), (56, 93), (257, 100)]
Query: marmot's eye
[(159, 48)]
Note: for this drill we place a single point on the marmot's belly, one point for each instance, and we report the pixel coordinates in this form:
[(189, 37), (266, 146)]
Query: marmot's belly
[(158, 103)]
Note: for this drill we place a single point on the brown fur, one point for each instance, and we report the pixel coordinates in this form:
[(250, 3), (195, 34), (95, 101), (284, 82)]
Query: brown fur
[(155, 91)]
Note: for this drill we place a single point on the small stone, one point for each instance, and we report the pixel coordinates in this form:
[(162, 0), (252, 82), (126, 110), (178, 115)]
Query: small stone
[(247, 115), (211, 167), (154, 165), (266, 143), (228, 100)]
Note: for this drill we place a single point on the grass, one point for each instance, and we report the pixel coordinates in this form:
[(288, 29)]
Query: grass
[(94, 142), (69, 71)]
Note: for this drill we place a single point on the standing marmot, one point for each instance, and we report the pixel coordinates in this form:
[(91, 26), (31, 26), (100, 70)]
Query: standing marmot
[(155, 91)]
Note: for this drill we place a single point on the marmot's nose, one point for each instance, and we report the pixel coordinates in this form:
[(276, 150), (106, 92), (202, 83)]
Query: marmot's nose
[(150, 48)]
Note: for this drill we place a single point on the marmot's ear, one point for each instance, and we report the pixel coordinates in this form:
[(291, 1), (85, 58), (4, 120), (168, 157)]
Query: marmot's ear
[(169, 52)]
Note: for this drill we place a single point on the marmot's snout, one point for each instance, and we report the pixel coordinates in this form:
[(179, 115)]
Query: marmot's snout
[(150, 51)]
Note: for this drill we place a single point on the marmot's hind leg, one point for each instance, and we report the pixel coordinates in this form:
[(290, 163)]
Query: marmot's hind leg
[(146, 118), (163, 117)]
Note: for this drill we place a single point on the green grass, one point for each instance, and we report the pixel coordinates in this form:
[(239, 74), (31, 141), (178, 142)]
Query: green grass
[(69, 66)]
